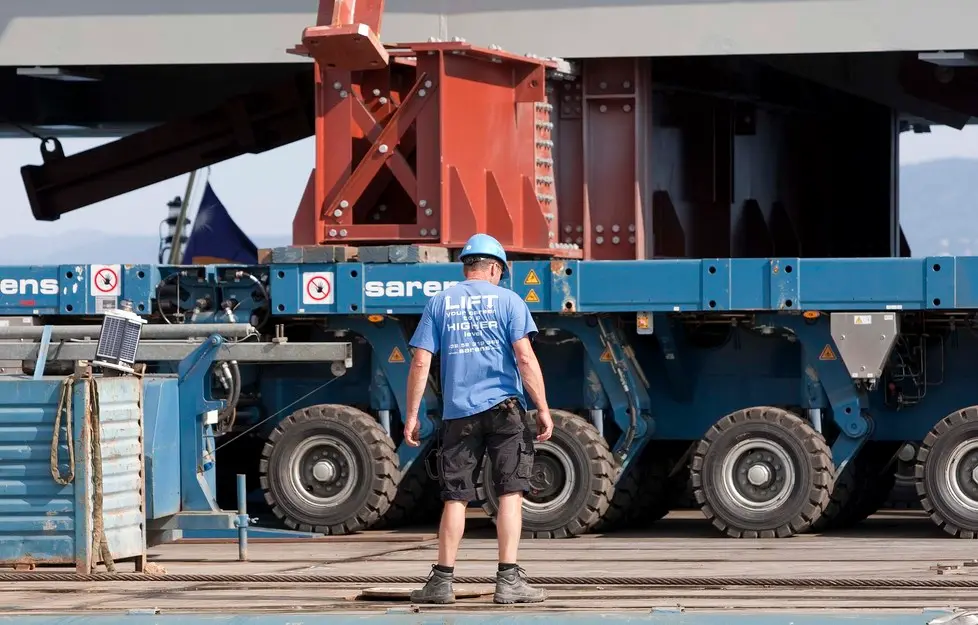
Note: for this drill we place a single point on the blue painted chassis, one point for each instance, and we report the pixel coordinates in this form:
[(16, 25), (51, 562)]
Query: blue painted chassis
[(710, 285), (688, 386)]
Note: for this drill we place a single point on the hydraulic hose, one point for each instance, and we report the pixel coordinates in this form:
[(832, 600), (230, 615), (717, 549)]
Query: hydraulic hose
[(226, 417)]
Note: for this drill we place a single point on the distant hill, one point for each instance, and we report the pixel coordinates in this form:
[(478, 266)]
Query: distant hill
[(939, 207), (93, 247), (938, 210)]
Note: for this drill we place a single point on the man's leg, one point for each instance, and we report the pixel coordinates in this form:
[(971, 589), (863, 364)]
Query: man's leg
[(510, 447), (509, 526), (450, 532), (459, 457)]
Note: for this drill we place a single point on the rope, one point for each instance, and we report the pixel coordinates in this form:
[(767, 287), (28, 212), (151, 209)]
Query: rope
[(100, 544), (64, 407), (670, 582)]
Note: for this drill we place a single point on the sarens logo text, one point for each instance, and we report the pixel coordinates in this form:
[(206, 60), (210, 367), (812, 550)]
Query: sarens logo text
[(406, 288), (28, 286)]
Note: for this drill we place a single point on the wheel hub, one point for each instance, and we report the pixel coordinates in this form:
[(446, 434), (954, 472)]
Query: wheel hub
[(323, 470), (544, 481), (758, 475), (961, 474), (553, 479)]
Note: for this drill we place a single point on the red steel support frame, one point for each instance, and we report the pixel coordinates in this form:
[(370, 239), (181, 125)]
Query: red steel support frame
[(602, 166), (426, 142)]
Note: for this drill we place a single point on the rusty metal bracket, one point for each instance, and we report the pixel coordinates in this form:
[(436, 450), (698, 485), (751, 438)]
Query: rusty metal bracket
[(346, 36)]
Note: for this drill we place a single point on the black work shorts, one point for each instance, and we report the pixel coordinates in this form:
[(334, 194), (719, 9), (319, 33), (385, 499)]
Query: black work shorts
[(500, 432)]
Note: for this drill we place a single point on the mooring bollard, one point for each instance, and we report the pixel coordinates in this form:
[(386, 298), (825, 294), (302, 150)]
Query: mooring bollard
[(242, 519)]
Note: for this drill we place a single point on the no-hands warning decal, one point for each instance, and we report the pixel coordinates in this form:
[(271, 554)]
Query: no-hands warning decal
[(105, 280), (317, 288)]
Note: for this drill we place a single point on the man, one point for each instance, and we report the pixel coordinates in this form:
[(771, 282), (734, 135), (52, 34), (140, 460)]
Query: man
[(482, 333)]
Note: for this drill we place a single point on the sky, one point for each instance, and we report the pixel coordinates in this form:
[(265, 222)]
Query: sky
[(262, 191)]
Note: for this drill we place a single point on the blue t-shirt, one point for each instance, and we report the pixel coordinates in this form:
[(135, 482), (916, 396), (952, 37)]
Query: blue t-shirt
[(474, 325)]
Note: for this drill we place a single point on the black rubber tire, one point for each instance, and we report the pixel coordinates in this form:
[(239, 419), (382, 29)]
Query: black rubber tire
[(646, 493), (861, 489), (592, 483), (808, 453), (903, 495), (417, 501), (872, 497), (676, 487), (372, 451), (932, 459)]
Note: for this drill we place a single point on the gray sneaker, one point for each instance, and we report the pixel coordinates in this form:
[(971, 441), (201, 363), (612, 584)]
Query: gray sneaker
[(511, 587), (438, 589)]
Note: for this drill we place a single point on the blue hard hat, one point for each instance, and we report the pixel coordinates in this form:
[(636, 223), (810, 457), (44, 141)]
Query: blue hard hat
[(485, 245)]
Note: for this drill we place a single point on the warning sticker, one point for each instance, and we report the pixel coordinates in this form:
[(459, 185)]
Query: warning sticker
[(606, 356), (105, 280), (317, 287), (396, 356), (531, 297), (531, 278), (827, 353)]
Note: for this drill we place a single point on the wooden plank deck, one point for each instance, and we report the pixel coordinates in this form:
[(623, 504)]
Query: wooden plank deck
[(899, 546)]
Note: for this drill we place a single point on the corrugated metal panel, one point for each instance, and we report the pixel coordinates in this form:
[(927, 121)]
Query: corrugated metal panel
[(42, 521), (122, 462), (36, 513)]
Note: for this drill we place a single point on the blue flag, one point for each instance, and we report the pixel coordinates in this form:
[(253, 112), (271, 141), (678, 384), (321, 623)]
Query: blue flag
[(215, 238)]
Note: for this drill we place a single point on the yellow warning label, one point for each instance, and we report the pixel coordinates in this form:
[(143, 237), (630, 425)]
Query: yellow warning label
[(531, 278), (606, 356), (532, 297), (396, 356), (827, 353)]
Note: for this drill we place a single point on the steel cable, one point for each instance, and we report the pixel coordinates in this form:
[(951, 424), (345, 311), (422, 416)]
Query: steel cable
[(272, 578)]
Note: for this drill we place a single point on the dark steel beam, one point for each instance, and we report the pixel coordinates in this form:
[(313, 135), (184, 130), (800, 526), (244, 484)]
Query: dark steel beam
[(250, 123), (954, 88), (873, 77)]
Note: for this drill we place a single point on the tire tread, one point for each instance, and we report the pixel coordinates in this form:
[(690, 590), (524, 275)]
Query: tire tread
[(961, 418), (384, 474), (819, 453)]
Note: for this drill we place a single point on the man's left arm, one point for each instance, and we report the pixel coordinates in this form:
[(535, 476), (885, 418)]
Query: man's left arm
[(425, 343)]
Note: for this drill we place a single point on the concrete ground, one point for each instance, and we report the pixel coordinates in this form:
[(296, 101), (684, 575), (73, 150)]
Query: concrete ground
[(900, 545)]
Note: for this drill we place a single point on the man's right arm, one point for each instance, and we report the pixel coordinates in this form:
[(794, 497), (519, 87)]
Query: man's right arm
[(530, 371)]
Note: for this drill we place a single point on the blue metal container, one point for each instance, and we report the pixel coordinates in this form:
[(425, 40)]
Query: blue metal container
[(45, 521)]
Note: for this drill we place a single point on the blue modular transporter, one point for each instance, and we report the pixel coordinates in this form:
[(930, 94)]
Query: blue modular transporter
[(783, 391)]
